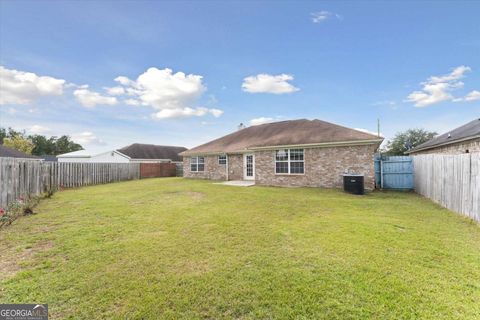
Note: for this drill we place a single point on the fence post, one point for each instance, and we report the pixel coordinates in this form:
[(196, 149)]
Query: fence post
[(381, 173)]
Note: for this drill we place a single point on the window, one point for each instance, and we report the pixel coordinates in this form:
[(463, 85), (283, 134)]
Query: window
[(197, 164), (289, 161), (222, 159)]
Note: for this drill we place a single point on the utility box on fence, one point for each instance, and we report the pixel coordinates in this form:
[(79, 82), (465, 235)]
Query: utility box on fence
[(353, 183)]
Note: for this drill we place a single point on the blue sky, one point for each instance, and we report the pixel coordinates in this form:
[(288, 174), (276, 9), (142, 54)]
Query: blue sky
[(182, 73)]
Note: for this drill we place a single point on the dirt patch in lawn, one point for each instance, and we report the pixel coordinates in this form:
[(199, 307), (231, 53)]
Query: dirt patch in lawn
[(194, 268), (14, 258)]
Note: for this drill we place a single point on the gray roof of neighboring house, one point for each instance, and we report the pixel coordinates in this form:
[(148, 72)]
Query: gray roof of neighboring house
[(12, 153), (284, 133), (151, 151), (48, 157), (468, 131)]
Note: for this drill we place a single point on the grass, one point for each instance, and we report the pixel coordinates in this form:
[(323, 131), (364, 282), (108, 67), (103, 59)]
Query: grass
[(176, 248)]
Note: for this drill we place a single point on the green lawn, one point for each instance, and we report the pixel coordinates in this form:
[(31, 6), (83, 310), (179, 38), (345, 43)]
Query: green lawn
[(176, 248)]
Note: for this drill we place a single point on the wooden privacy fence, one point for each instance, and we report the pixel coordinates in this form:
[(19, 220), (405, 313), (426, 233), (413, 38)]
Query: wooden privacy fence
[(450, 180), (157, 170), (393, 172), (21, 177)]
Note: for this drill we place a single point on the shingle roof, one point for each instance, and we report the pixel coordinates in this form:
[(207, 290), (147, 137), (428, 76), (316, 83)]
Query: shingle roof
[(465, 132), (283, 133), (151, 151), (12, 153), (49, 158)]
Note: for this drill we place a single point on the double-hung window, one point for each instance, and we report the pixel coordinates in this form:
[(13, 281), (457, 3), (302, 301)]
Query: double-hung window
[(222, 159), (197, 164), (289, 161)]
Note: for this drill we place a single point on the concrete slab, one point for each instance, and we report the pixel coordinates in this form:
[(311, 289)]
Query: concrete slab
[(238, 183)]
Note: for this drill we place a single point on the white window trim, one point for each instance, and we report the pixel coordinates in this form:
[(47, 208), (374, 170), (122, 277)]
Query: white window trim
[(197, 162), (226, 159), (288, 161)]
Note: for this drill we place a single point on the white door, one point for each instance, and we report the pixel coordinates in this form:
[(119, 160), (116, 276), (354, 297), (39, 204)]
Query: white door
[(249, 166)]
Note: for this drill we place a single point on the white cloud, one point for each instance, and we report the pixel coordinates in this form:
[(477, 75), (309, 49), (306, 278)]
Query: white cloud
[(265, 83), (115, 91), (172, 95), (216, 112), (90, 99), (472, 96), (38, 129), (321, 16), (124, 81), (19, 87), (261, 120), (87, 138), (368, 131), (456, 74), (132, 102), (438, 88), (186, 112)]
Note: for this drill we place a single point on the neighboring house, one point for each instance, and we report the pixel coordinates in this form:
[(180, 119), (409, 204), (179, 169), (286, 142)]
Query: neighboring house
[(138, 152), (303, 152), (75, 156), (135, 153), (463, 139), (48, 158), (6, 152)]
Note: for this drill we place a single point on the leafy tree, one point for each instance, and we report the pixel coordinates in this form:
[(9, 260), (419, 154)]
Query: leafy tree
[(19, 143), (3, 134), (42, 145), (9, 133), (406, 140), (64, 145)]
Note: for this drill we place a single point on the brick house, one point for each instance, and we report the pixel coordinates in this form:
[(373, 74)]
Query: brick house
[(311, 153), (464, 139)]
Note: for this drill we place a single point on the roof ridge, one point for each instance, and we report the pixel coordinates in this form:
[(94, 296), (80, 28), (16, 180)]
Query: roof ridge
[(150, 144), (285, 132)]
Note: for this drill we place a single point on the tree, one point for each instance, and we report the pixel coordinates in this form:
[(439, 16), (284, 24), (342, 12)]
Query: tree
[(19, 143), (9, 133), (64, 145), (42, 145), (406, 140), (3, 134)]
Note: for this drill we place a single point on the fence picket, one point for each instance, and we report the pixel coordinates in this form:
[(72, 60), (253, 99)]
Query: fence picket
[(24, 177), (450, 180)]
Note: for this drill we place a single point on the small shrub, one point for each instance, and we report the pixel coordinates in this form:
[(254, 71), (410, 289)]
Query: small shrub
[(21, 207)]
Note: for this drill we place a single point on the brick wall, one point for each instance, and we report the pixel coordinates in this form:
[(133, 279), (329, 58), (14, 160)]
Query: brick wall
[(456, 148), (235, 167), (215, 171), (323, 167)]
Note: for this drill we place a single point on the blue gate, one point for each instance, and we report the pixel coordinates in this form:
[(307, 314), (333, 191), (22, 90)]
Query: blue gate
[(393, 172)]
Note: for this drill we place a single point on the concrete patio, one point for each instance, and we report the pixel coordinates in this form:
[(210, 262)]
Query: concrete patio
[(238, 183)]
